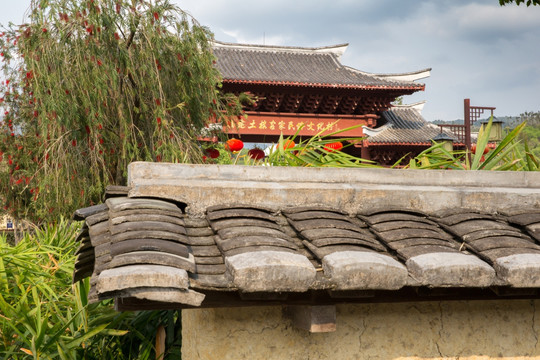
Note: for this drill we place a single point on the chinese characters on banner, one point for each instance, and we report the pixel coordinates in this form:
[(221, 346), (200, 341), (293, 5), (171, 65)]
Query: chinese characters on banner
[(276, 124)]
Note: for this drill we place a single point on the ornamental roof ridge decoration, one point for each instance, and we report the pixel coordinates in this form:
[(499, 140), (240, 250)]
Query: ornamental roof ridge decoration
[(303, 66), (183, 236)]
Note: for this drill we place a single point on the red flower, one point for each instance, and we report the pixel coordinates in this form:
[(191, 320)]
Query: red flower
[(99, 62), (156, 16), (74, 142), (101, 140), (87, 128), (158, 102), (116, 36), (44, 30), (158, 120)]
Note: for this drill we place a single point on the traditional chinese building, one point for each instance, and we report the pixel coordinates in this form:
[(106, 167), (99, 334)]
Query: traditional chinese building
[(309, 91)]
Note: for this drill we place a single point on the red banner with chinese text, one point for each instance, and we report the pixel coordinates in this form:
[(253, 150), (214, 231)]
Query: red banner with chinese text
[(305, 124)]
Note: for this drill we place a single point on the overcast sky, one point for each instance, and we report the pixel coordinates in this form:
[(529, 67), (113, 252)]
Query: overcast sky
[(477, 49)]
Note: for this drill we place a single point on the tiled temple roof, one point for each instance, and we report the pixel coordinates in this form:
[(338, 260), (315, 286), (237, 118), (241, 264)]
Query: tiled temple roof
[(295, 66), (404, 124), (172, 252)]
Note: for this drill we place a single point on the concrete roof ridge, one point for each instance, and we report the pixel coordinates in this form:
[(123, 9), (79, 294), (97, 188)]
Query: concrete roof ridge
[(418, 106), (201, 186), (336, 50), (407, 77)]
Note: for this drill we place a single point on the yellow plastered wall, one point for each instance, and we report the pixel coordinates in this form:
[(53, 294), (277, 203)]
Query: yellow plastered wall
[(498, 329)]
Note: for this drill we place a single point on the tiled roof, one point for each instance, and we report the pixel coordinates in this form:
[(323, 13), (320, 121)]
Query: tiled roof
[(313, 67), (404, 125), (152, 251)]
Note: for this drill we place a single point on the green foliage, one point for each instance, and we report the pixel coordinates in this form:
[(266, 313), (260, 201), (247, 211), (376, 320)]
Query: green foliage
[(93, 85), (314, 152), (505, 156), (518, 2), (41, 317), (530, 136)]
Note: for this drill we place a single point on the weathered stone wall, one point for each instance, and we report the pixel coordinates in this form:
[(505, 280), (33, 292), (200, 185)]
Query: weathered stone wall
[(502, 329)]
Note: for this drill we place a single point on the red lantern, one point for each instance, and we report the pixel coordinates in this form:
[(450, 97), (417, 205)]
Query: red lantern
[(256, 154), (235, 144), (212, 153), (473, 149), (335, 146), (288, 144)]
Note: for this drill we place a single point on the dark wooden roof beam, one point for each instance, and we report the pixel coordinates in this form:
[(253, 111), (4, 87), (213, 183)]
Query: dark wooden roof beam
[(311, 103), (348, 105), (273, 102), (291, 103), (330, 104)]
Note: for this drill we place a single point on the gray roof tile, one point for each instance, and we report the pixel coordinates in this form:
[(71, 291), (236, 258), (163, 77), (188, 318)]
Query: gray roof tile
[(247, 249), (404, 125), (295, 67)]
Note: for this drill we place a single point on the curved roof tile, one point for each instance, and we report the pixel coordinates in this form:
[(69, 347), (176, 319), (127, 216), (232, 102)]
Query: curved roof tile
[(317, 67)]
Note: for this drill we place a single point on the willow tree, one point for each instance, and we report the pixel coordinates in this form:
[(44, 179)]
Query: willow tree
[(92, 85)]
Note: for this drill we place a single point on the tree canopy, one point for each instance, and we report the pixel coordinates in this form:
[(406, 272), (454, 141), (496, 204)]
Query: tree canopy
[(92, 85), (519, 2)]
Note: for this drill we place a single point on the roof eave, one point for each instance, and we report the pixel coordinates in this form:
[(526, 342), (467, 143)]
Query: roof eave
[(411, 86)]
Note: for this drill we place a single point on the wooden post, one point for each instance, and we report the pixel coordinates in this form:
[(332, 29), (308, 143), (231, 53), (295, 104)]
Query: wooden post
[(160, 342), (467, 121), (365, 153), (315, 319)]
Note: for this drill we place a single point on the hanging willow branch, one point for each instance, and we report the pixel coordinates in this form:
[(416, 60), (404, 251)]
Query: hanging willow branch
[(93, 85)]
